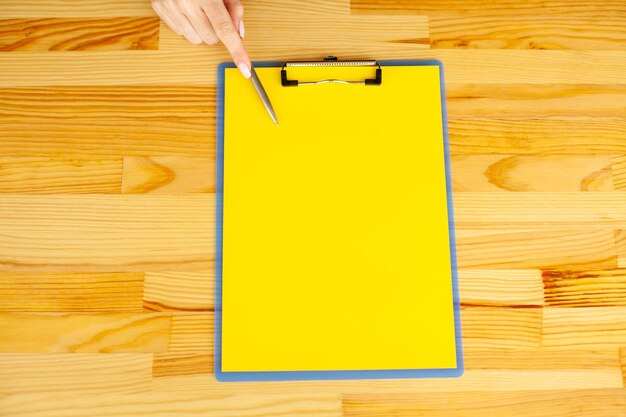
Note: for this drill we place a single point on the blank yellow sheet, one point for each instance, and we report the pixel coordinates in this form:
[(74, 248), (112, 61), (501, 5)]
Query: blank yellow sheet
[(335, 228)]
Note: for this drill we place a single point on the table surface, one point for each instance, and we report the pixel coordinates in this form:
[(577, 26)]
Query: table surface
[(107, 144)]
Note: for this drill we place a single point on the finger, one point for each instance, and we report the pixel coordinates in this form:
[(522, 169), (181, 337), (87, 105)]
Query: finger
[(235, 9), (200, 22), (182, 23), (162, 13), (226, 32)]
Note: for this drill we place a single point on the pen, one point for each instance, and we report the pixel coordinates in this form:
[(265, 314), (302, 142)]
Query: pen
[(264, 98)]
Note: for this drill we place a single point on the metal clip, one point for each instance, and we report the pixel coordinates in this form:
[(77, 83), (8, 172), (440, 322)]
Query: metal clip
[(331, 61)]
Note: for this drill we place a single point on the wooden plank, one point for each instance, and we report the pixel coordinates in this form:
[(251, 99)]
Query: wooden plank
[(514, 7), (585, 288), (179, 291), (618, 167), (65, 292), (169, 367), (106, 233), (54, 175), (76, 374), (196, 405), (105, 121), (192, 332), (620, 245), (503, 249), (476, 381), (491, 366), (604, 30), (501, 287), (537, 136), (106, 138), (121, 8), (174, 364), (177, 364), (168, 175), (85, 8), (84, 333), (506, 328), (531, 173), (532, 101), (289, 33), (598, 210), (92, 103), (513, 24), (196, 65), (254, 8), (590, 327), (578, 403), (622, 354), (541, 358), (111, 34)]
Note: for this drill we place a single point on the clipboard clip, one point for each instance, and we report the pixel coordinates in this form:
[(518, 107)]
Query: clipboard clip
[(331, 61)]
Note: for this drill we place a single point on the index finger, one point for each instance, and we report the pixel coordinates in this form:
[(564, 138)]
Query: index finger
[(225, 30)]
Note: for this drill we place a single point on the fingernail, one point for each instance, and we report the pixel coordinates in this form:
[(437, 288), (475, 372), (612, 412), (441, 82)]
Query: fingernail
[(245, 70), (242, 29)]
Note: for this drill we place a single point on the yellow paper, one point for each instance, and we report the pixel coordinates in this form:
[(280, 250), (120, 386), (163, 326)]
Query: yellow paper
[(335, 230)]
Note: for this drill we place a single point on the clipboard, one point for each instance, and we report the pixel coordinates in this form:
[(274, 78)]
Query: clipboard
[(335, 249)]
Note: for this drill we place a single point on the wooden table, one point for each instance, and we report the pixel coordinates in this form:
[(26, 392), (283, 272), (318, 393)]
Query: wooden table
[(107, 137)]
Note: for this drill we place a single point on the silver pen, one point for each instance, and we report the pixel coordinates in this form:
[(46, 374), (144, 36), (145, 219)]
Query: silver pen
[(264, 98)]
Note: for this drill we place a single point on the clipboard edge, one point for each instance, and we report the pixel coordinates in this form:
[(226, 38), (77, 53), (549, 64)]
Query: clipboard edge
[(250, 376)]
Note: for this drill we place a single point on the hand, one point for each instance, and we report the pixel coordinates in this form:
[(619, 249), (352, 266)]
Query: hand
[(208, 21)]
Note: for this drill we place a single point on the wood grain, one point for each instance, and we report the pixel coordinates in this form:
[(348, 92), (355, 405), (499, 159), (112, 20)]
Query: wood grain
[(76, 374), (179, 291), (585, 288), (618, 167), (102, 233), (175, 364), (192, 332), (475, 358), (537, 136), (107, 121), (500, 287), (120, 8), (168, 175), (532, 101), (79, 34), (530, 30), (578, 403), (536, 24), (60, 175), (297, 405), (551, 210), (494, 327), (83, 8), (475, 381), (71, 292), (107, 144), (620, 245), (84, 333), (622, 353), (541, 358), (196, 66), (288, 33), (434, 7), (503, 249), (590, 327), (93, 103), (483, 173)]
